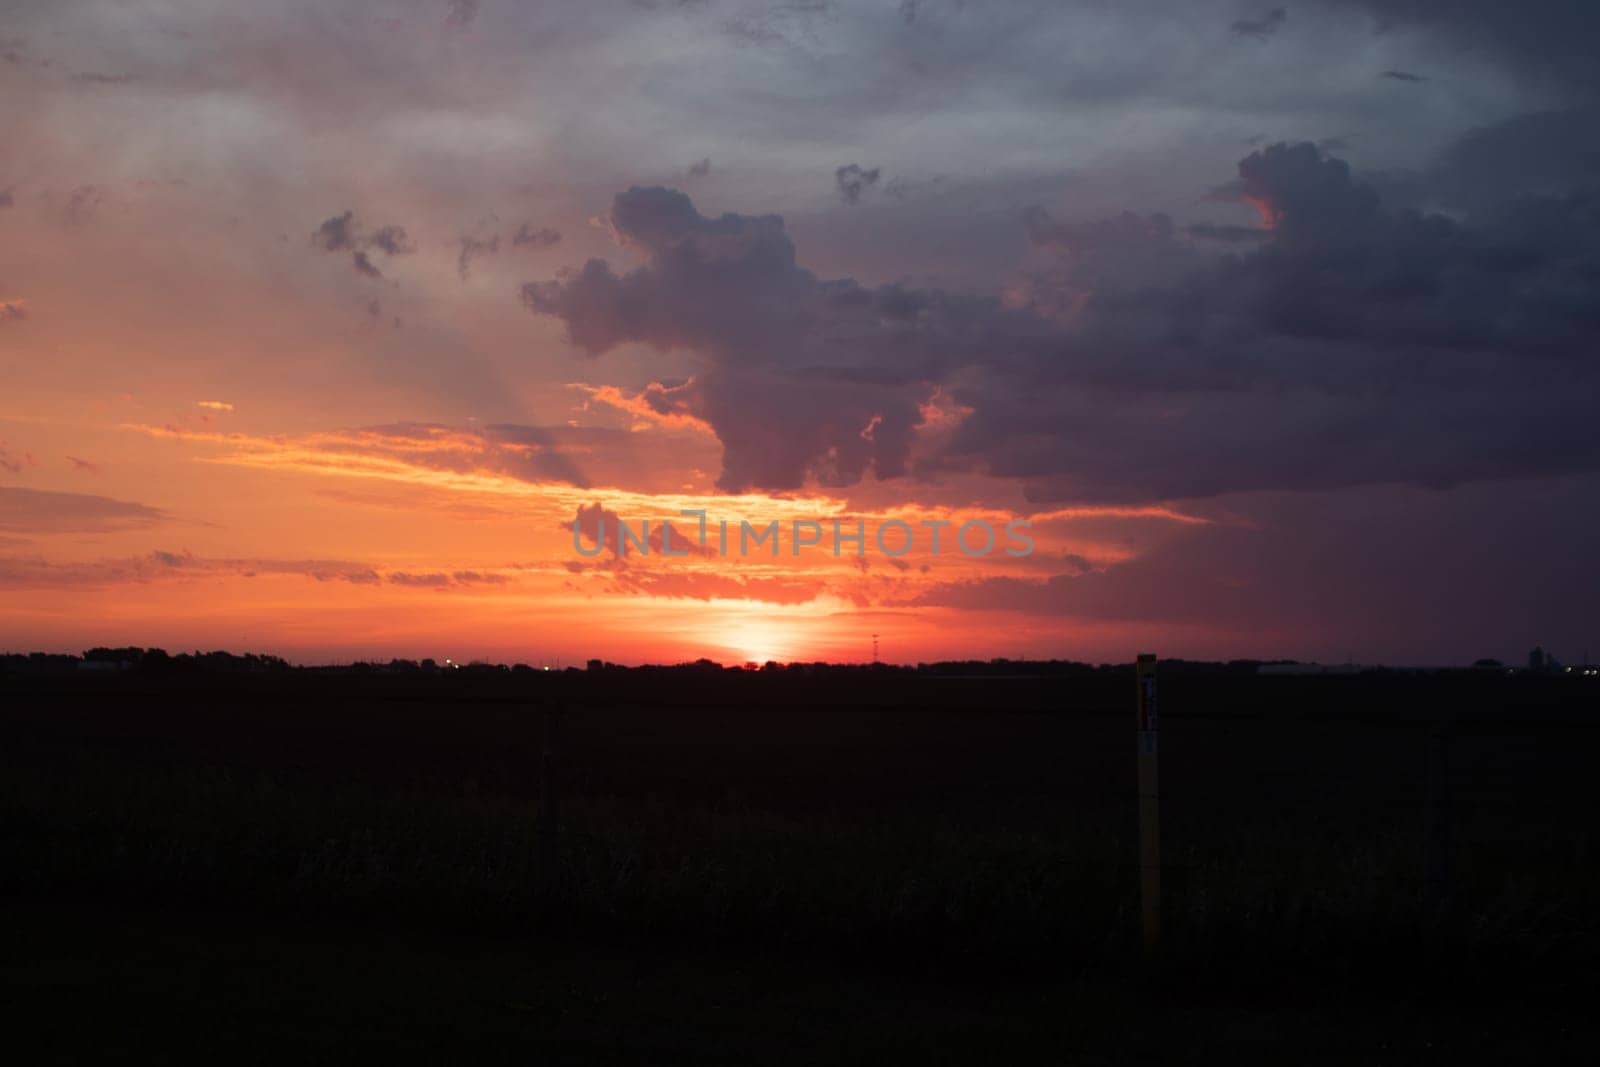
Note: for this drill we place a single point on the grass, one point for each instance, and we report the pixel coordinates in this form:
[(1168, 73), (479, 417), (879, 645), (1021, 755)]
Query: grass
[(969, 867)]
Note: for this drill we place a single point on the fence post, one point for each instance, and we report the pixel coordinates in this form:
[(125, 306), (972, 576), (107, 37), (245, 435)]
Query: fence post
[(549, 796), (1149, 802)]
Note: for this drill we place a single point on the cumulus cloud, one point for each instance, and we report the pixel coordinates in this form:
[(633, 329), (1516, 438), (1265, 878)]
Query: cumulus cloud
[(1357, 345), (1340, 342), (806, 378)]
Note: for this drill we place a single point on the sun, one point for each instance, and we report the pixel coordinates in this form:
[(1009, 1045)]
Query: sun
[(759, 640)]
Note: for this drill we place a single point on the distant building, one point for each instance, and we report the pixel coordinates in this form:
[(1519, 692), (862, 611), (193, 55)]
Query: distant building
[(1541, 661)]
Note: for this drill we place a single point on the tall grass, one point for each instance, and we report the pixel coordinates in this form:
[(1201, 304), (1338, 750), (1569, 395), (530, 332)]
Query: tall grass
[(1051, 891)]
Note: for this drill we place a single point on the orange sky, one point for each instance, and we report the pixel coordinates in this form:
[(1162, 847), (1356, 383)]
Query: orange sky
[(319, 324), (409, 540)]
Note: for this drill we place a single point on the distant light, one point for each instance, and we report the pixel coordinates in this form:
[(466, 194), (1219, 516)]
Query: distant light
[(547, 668)]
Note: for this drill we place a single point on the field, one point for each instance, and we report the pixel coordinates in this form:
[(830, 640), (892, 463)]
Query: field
[(838, 866)]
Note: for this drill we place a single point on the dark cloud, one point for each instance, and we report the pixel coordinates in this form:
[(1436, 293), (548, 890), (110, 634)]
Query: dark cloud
[(165, 565), (852, 181), (1544, 40), (805, 377), (13, 462), (1541, 155), (1263, 26), (337, 233), (1341, 342), (1358, 345), (444, 580), (1288, 574), (1228, 234), (12, 311), (700, 168), (22, 573), (6, 198), (40, 511), (595, 522), (391, 240), (342, 233), (472, 248), (1403, 76), (1126, 251), (364, 265), (696, 585), (527, 236)]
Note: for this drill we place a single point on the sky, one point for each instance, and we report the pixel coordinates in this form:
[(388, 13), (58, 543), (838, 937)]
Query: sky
[(344, 331)]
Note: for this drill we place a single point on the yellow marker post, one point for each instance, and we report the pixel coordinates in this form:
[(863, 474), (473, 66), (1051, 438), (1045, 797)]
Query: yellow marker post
[(1149, 803)]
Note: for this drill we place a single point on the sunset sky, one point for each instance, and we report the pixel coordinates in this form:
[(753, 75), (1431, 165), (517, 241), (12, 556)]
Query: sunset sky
[(320, 323)]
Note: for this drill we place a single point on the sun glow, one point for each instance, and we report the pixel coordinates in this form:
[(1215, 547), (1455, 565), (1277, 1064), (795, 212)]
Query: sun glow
[(756, 640)]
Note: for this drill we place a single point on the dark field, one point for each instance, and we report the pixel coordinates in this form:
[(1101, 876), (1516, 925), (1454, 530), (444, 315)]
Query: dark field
[(853, 867)]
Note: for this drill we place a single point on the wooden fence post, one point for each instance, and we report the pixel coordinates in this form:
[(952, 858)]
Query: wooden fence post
[(1149, 802)]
